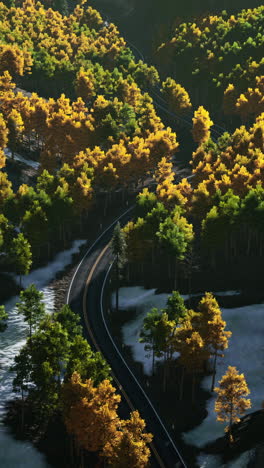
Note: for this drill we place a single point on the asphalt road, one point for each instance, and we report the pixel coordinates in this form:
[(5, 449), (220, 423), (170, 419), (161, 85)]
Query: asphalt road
[(85, 296)]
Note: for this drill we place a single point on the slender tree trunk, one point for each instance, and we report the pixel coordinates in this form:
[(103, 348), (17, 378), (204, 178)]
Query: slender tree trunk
[(214, 372), (230, 425), (165, 375), (153, 361), (117, 284)]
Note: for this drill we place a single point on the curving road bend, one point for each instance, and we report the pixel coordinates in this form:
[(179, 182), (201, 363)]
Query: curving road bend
[(86, 297)]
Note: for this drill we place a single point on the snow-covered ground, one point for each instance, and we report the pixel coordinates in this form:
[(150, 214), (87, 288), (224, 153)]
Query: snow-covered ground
[(14, 453), (246, 352), (18, 157), (142, 301)]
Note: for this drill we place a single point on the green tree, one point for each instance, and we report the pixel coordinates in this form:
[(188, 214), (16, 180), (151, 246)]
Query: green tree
[(31, 307), (175, 307), (118, 247), (87, 363), (175, 236), (21, 255), (148, 333), (49, 352), (68, 320)]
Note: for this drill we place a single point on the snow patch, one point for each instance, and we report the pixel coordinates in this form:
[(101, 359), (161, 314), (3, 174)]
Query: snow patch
[(18, 157), (246, 352)]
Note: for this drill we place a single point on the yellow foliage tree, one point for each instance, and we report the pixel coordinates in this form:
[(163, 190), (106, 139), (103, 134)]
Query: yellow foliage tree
[(129, 446), (11, 59), (3, 133), (90, 413), (177, 97), (5, 188), (231, 402), (211, 326), (201, 125)]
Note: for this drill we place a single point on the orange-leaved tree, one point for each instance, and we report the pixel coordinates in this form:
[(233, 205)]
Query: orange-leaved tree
[(231, 402), (90, 413), (129, 446), (211, 327)]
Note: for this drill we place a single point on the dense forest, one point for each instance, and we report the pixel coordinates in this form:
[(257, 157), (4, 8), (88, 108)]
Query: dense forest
[(218, 51), (104, 128)]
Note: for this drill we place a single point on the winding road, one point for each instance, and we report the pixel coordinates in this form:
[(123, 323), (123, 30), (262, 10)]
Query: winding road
[(86, 297)]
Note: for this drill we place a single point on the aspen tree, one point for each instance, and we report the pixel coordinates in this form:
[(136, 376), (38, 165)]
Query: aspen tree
[(129, 445), (211, 326), (90, 413), (201, 125), (231, 402), (176, 96)]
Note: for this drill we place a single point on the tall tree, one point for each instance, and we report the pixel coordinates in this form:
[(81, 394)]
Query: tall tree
[(201, 125), (90, 412), (88, 364), (15, 127), (231, 402), (211, 326), (129, 446), (176, 96), (69, 321), (49, 351), (148, 333), (118, 246), (21, 255), (175, 307), (31, 307)]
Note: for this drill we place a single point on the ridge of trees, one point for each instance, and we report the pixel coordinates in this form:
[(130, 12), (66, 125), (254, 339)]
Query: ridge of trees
[(217, 50)]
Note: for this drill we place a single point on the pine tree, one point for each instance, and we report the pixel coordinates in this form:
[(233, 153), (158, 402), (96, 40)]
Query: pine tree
[(231, 402)]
